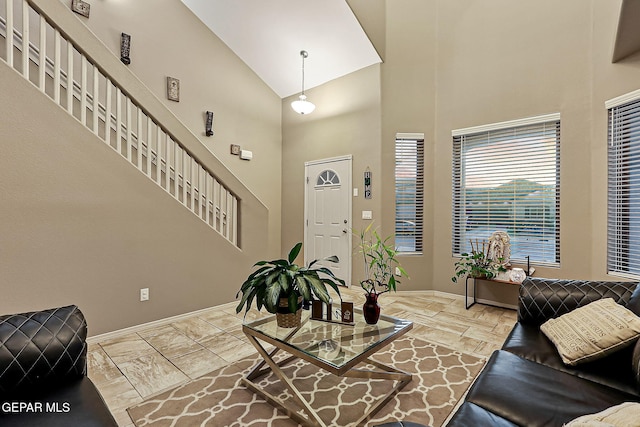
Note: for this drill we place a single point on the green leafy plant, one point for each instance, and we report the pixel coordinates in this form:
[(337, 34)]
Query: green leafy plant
[(282, 278), (380, 262), (477, 263)]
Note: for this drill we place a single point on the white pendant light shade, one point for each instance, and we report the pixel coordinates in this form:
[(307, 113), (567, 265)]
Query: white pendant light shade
[(302, 106)]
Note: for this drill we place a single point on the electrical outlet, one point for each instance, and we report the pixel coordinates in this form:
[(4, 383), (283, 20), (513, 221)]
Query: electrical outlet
[(398, 272), (144, 294)]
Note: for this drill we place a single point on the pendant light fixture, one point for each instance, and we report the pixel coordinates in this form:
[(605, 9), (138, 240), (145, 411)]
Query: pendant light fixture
[(302, 106)]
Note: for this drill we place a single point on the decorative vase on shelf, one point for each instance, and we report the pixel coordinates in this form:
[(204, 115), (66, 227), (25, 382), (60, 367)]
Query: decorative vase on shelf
[(517, 275), (371, 309)]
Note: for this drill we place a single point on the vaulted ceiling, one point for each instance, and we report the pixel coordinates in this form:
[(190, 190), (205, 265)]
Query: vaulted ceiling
[(269, 35), (628, 35)]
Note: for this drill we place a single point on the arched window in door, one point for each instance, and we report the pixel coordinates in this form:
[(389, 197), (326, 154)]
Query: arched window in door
[(327, 178)]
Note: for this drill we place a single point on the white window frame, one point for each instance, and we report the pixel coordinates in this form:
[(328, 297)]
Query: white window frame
[(621, 255), (407, 144), (459, 243)]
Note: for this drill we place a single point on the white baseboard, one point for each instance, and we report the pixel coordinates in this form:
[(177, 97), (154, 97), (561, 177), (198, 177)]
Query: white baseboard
[(133, 329)]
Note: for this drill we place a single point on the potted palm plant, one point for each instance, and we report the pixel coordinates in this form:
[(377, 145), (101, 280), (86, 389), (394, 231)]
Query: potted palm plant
[(281, 286), (380, 267)]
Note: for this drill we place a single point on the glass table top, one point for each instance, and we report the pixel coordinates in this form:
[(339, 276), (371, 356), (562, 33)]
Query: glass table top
[(335, 344)]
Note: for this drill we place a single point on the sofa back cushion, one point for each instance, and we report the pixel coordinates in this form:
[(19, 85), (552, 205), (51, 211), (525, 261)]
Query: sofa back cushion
[(543, 299), (41, 348)]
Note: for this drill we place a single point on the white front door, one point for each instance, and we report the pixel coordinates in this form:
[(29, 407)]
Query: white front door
[(328, 214)]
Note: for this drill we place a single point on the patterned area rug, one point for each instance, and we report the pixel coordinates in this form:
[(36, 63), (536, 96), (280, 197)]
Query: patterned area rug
[(440, 378)]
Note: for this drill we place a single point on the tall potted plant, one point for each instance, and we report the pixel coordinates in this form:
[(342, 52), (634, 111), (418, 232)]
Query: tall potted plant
[(380, 268), (281, 286)]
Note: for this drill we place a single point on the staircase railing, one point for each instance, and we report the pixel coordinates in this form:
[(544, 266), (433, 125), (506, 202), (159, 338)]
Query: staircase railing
[(46, 56)]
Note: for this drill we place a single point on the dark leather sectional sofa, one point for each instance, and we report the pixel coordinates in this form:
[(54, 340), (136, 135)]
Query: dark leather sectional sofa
[(43, 372), (527, 384)]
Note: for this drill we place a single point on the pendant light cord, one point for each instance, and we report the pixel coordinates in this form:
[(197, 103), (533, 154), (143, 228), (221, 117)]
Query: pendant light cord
[(303, 54)]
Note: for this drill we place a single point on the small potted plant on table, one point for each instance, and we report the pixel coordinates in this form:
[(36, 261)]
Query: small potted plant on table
[(477, 263), (281, 286), (380, 266)]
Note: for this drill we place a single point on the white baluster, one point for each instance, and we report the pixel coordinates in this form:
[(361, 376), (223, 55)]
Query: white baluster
[(234, 222), (42, 55), (118, 121), (25, 39), (193, 173), (107, 113), (8, 37), (139, 145), (56, 67), (96, 99), (128, 125), (177, 156), (83, 91), (158, 165), (70, 78), (167, 165), (149, 137)]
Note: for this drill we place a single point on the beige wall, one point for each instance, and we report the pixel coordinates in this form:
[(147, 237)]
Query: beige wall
[(456, 64), (168, 40), (346, 121), (81, 226)]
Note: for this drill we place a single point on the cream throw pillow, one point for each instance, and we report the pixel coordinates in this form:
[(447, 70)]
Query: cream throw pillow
[(592, 331), (624, 415)]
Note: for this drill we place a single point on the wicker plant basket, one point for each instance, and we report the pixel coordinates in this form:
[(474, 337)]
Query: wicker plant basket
[(287, 319)]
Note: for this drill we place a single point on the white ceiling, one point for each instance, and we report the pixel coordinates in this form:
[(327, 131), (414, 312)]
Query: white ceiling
[(269, 35)]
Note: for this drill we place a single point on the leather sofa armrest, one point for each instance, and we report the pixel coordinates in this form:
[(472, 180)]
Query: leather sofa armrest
[(41, 349), (542, 299)]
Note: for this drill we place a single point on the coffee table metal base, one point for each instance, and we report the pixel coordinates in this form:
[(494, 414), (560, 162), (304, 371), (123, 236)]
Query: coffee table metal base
[(384, 372)]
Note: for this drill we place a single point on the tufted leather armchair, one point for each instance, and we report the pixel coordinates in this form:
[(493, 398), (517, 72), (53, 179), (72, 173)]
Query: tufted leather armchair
[(43, 371)]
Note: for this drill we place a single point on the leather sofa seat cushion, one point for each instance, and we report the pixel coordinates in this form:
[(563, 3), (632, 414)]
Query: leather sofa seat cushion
[(42, 347), (76, 403), (472, 415), (615, 370), (592, 331), (527, 393)]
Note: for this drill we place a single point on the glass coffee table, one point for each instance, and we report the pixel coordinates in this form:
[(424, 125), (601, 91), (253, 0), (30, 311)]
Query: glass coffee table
[(334, 347)]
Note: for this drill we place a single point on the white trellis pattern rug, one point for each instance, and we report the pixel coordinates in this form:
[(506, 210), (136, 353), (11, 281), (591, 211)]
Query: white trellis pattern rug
[(440, 378)]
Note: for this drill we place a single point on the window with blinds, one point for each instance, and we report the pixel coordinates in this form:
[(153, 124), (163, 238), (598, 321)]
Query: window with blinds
[(623, 228), (409, 175), (506, 177)]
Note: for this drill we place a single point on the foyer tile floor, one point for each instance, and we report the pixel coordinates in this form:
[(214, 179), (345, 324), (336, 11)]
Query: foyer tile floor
[(133, 367)]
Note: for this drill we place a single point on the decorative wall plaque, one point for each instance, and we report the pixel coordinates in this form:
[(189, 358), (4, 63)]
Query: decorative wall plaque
[(173, 90), (209, 124), (125, 48), (81, 7), (235, 149), (367, 184)]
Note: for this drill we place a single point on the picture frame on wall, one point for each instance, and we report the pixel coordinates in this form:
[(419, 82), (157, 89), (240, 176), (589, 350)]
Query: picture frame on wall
[(173, 89), (81, 7)]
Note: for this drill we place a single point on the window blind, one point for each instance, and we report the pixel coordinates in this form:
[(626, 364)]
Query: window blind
[(623, 225), (507, 178), (409, 177)]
